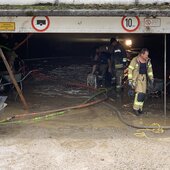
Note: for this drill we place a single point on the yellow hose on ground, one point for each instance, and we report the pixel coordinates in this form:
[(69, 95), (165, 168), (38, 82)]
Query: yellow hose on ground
[(141, 133)]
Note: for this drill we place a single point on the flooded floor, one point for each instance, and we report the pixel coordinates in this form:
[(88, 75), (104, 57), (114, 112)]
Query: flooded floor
[(87, 138)]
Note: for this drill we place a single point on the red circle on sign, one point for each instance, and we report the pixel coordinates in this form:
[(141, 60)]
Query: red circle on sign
[(39, 30), (122, 22)]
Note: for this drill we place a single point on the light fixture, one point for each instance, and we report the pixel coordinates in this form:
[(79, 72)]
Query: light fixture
[(128, 42)]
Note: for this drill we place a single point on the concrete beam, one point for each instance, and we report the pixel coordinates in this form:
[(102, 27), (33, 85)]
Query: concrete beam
[(119, 12)]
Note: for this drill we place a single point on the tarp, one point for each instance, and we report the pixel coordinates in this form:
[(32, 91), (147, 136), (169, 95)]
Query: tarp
[(2, 103)]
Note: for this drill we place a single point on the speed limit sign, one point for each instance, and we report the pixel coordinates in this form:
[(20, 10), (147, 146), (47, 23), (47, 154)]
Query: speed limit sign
[(130, 24)]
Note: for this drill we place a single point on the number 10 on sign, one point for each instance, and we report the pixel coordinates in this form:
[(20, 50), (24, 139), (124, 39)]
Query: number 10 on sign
[(130, 24)]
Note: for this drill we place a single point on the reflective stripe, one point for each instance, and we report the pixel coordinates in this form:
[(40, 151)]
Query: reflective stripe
[(150, 74), (129, 76), (149, 65), (118, 86), (137, 107), (136, 65), (138, 103), (131, 67), (119, 66), (124, 59)]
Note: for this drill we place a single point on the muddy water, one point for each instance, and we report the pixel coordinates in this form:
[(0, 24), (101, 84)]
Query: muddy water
[(49, 88), (91, 138), (82, 139)]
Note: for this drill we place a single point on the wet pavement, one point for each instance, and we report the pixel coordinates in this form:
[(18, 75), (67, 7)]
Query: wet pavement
[(87, 138)]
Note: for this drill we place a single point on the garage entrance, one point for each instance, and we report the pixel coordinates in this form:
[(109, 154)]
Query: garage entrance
[(62, 48), (69, 125)]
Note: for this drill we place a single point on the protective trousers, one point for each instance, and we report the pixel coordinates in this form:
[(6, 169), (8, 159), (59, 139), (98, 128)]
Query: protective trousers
[(140, 91), (119, 77), (103, 69)]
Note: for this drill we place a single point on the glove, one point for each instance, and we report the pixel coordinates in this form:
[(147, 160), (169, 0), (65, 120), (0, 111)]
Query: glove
[(131, 93), (132, 84)]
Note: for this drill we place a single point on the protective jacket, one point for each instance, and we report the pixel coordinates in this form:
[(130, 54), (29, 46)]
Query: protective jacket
[(133, 69), (119, 56), (138, 74)]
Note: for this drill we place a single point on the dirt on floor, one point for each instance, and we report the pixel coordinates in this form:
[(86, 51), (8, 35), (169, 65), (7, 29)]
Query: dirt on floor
[(90, 138)]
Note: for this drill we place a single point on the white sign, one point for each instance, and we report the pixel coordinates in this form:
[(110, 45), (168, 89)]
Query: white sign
[(152, 22), (130, 24), (40, 24), (75, 24)]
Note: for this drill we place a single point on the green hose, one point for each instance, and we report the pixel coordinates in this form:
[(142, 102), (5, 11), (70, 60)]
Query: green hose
[(101, 91), (6, 48), (36, 119), (46, 117)]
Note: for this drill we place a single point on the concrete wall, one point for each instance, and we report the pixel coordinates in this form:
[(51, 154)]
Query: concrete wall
[(29, 2)]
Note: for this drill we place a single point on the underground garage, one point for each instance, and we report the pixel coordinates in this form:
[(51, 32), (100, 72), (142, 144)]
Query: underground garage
[(54, 120), (46, 45)]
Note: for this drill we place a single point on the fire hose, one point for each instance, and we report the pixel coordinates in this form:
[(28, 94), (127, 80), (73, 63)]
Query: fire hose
[(52, 113), (85, 104)]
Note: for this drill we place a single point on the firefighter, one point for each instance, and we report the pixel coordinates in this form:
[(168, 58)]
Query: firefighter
[(118, 60), (102, 63), (139, 73)]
